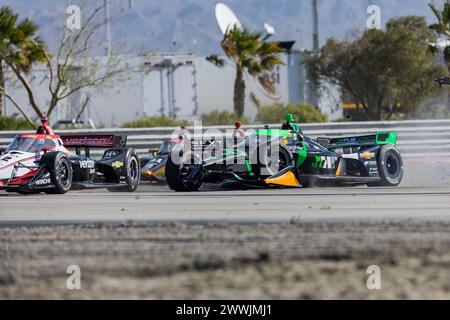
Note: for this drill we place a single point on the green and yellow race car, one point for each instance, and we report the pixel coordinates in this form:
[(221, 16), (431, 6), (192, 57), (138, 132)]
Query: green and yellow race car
[(286, 157)]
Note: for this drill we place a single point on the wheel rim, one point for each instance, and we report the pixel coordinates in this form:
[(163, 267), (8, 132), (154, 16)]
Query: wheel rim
[(133, 169), (63, 174), (392, 166)]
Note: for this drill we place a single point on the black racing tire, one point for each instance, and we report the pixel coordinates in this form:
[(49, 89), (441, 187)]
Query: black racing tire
[(174, 177), (132, 173), (390, 167), (61, 172)]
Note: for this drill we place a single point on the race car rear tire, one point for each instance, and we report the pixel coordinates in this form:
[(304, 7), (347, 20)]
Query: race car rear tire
[(132, 173), (390, 167), (174, 177), (60, 169)]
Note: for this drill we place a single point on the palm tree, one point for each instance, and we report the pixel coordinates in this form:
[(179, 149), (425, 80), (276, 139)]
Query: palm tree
[(442, 27), (249, 53), (442, 30), (19, 48)]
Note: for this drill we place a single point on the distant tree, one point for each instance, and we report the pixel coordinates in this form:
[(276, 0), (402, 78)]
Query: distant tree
[(216, 118), (70, 69), (249, 53), (73, 68), (159, 121), (383, 72), (303, 113), (20, 48)]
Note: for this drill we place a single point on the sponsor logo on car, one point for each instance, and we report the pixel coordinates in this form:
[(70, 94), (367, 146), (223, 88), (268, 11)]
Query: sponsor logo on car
[(91, 140), (117, 164), (367, 155), (42, 181), (324, 162), (110, 154), (87, 164)]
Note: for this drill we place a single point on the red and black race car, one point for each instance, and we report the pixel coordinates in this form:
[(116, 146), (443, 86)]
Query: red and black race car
[(42, 162)]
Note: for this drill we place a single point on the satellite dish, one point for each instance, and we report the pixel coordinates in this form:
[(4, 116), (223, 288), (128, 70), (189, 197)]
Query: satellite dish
[(269, 29), (226, 18), (441, 43)]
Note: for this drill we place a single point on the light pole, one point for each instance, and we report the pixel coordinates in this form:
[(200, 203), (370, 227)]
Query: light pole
[(315, 15), (316, 50), (108, 28)]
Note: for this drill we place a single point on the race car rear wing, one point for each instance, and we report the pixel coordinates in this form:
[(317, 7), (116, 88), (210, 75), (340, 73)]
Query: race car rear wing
[(93, 141), (379, 138)]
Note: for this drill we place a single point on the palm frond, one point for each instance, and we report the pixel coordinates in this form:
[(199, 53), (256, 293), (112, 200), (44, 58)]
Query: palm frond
[(27, 27), (20, 46), (438, 28), (269, 62), (216, 60), (253, 67), (446, 14), (230, 49), (436, 11)]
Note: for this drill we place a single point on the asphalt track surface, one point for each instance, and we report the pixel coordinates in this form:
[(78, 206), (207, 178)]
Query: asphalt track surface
[(423, 195)]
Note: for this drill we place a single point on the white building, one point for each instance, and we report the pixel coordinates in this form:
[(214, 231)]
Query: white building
[(175, 85)]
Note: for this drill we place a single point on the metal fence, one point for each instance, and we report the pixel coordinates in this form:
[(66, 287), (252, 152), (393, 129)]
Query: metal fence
[(415, 138)]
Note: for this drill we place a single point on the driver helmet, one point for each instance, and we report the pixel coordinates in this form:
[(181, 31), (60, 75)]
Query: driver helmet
[(290, 118), (291, 124)]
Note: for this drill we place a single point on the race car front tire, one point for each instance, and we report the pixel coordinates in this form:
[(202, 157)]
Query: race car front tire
[(132, 173), (390, 166), (174, 176), (60, 169)]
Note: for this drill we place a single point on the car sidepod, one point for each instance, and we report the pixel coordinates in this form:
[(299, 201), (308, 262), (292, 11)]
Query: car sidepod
[(112, 164), (83, 169)]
